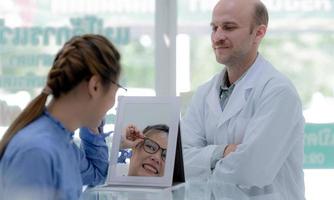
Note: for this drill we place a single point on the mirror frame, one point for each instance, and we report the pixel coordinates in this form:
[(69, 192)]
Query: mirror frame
[(173, 105)]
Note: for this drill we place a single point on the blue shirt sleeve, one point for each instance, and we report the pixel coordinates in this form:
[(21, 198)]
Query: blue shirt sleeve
[(30, 176), (93, 157)]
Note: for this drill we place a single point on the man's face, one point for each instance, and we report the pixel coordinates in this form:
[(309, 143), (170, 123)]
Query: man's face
[(143, 163), (232, 38)]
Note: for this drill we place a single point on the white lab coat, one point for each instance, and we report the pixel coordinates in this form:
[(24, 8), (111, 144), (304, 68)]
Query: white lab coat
[(264, 116)]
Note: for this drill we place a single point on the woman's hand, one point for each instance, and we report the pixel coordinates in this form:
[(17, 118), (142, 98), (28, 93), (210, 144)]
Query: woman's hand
[(131, 137), (99, 129)]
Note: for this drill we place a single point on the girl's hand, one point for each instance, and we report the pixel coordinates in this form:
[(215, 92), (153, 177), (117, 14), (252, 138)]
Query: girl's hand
[(131, 137)]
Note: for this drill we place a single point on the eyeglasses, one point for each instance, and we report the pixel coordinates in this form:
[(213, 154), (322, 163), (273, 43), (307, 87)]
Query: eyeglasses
[(152, 147), (119, 86)]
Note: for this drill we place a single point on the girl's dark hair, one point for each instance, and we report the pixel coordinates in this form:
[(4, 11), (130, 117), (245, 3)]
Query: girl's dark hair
[(78, 60), (158, 127)]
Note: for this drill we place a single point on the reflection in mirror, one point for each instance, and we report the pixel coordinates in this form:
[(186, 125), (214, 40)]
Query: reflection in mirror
[(147, 150), (144, 142)]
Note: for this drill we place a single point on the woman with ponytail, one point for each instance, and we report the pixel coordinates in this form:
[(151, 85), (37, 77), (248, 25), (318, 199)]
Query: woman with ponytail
[(38, 159)]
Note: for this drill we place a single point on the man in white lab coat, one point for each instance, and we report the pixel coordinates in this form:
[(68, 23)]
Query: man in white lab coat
[(245, 126)]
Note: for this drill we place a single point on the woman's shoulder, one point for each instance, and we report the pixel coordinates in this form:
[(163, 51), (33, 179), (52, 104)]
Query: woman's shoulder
[(38, 135)]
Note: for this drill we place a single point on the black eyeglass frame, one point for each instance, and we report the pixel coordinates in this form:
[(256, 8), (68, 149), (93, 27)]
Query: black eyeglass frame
[(163, 150), (119, 86)]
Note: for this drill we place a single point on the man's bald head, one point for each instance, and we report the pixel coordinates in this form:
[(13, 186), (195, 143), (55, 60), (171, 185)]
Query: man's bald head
[(256, 10)]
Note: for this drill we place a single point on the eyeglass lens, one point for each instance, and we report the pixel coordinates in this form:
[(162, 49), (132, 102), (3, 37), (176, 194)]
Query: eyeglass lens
[(152, 147)]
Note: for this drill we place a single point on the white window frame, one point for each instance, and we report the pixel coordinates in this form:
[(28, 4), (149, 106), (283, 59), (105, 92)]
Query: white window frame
[(165, 47)]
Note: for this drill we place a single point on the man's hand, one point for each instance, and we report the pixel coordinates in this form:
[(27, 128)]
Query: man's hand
[(229, 149), (131, 137)]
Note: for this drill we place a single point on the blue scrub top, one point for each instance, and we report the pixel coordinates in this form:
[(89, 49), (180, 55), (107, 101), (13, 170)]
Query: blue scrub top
[(42, 162)]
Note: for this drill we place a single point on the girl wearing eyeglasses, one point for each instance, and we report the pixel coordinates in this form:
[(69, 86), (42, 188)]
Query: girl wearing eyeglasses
[(38, 158), (149, 149)]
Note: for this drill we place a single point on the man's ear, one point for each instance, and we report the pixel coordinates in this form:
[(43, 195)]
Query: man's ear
[(260, 33), (94, 86)]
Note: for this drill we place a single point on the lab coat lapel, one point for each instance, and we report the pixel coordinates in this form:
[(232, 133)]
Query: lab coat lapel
[(238, 97), (234, 104), (213, 97)]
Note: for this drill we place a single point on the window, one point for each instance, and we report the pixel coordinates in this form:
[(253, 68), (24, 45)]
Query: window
[(31, 33)]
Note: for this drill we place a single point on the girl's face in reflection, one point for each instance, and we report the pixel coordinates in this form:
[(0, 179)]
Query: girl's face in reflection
[(148, 158)]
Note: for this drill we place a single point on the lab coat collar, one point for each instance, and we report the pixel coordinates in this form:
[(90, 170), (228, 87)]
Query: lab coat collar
[(239, 95)]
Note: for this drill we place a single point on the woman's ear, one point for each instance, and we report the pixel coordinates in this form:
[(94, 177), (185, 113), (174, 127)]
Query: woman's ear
[(94, 86), (136, 148)]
